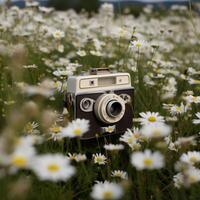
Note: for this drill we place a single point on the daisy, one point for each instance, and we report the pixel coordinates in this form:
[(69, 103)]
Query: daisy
[(62, 72), (178, 180), (31, 128), (174, 110), (155, 130), (191, 157), (58, 34), (185, 141), (196, 121), (147, 160), (28, 141), (106, 191), (77, 157), (186, 178), (192, 99), (132, 138), (21, 158), (55, 132), (119, 174), (137, 44), (192, 175), (81, 53), (76, 128), (30, 66), (193, 81), (150, 118), (113, 147), (99, 159), (53, 167)]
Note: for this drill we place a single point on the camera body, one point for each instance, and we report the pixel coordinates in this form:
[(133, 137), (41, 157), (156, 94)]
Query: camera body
[(103, 98)]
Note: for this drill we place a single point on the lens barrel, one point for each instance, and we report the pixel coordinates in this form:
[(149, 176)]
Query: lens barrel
[(114, 108), (109, 108)]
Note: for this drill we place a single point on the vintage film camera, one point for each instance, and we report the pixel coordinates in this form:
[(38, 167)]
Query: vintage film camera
[(103, 98)]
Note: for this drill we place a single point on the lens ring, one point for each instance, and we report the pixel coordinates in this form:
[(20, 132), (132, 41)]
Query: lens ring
[(100, 108)]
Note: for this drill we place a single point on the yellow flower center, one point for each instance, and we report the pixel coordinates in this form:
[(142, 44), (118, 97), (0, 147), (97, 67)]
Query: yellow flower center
[(118, 174), (178, 108), (28, 128), (193, 159), (55, 129), (152, 119), (148, 161), (107, 195), (53, 167), (77, 131), (138, 44), (129, 140), (19, 161), (110, 129), (99, 159)]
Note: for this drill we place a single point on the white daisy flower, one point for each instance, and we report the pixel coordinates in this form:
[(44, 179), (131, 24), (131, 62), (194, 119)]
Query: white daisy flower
[(185, 141), (192, 175), (192, 99), (21, 158), (62, 72), (76, 128), (53, 167), (58, 34), (113, 147), (119, 174), (81, 53), (147, 160), (191, 157), (186, 178), (196, 121), (150, 118), (193, 81), (106, 191), (132, 138), (137, 44), (28, 141), (77, 157), (31, 128), (175, 109), (156, 130), (99, 159), (54, 132), (178, 180)]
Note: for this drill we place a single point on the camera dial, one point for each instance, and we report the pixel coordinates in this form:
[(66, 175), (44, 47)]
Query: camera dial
[(86, 104), (109, 108)]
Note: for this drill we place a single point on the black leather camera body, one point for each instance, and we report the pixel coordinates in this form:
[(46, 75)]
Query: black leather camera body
[(103, 98)]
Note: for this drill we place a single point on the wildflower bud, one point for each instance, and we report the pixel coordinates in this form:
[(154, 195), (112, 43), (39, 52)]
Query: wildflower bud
[(30, 109), (17, 119), (18, 58), (19, 189)]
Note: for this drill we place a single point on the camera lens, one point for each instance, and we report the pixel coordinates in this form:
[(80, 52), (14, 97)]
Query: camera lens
[(114, 108), (109, 108)]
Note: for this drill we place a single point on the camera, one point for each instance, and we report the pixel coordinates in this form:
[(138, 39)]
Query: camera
[(102, 97)]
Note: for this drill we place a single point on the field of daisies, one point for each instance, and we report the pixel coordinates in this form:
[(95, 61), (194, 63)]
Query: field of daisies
[(41, 153)]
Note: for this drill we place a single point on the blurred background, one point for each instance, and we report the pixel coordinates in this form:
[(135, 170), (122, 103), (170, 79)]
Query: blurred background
[(93, 5)]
